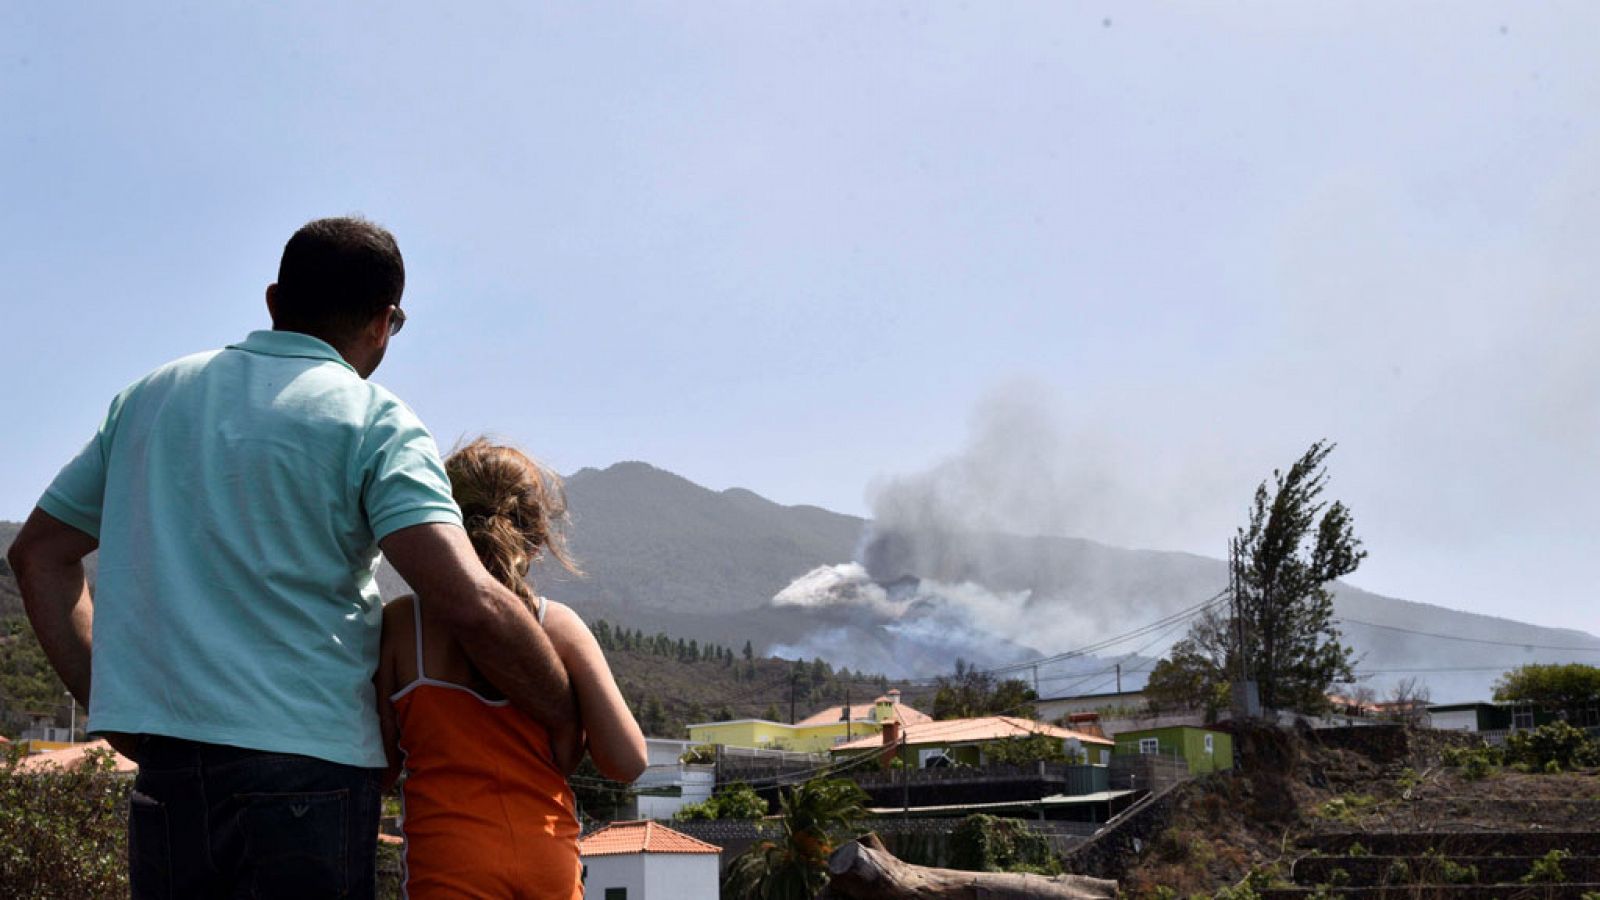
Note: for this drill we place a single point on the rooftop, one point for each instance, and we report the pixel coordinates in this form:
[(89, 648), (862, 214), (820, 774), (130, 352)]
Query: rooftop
[(641, 837), (72, 757), (984, 728), (864, 712)]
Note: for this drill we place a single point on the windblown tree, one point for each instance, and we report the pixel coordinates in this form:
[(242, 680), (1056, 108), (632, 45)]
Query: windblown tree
[(1283, 563)]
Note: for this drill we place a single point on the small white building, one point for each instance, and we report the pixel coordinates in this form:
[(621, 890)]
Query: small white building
[(647, 861), (667, 785)]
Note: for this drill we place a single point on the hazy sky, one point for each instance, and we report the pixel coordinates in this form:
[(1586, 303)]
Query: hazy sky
[(1153, 251)]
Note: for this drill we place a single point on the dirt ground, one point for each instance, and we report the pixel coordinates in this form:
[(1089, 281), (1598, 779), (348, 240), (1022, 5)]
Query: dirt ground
[(1292, 784)]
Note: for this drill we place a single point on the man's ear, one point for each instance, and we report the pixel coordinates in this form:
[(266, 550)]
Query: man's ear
[(377, 331), (272, 302)]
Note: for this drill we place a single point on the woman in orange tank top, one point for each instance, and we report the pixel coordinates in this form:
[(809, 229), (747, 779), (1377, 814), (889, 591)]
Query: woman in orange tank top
[(486, 808)]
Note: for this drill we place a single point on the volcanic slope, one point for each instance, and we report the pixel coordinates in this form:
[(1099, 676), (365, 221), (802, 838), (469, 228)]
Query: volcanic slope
[(662, 554)]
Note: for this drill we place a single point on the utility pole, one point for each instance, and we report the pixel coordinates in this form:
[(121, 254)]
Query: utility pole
[(905, 783), (1036, 679), (1119, 678), (1246, 693), (849, 712)]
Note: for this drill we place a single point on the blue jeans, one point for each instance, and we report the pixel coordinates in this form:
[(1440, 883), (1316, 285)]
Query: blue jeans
[(213, 821)]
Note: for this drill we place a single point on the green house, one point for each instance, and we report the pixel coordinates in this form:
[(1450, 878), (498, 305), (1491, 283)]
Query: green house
[(1203, 749)]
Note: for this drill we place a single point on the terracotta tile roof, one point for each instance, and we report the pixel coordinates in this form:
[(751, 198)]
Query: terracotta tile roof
[(862, 712), (641, 837), (964, 731), (68, 757)]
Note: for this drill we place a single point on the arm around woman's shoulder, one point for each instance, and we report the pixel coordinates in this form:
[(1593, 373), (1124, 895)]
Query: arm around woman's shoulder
[(614, 738), (397, 631)]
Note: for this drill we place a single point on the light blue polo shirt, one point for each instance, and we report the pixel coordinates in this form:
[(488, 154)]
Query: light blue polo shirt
[(238, 497)]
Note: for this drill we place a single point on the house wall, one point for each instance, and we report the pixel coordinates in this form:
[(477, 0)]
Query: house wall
[(665, 751), (621, 870), (821, 738), (744, 733), (1186, 742), (678, 876), (1455, 719), (1052, 710), (662, 792)]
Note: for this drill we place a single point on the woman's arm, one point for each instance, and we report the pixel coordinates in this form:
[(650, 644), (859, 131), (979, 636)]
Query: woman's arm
[(614, 738), (396, 619)]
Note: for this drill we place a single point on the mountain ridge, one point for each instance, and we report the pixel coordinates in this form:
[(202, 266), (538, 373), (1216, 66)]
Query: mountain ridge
[(663, 553)]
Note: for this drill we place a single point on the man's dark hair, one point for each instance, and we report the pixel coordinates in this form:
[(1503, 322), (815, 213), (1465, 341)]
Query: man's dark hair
[(336, 274)]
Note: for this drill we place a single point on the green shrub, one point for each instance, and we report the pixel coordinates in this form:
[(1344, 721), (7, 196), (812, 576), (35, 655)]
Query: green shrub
[(736, 801), (990, 844), (1399, 873), (1346, 807), (1482, 755), (1441, 869), (1553, 747), (63, 833), (1547, 869), (1477, 767), (699, 755)]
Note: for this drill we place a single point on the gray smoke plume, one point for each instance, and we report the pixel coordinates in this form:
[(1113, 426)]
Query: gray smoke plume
[(973, 557)]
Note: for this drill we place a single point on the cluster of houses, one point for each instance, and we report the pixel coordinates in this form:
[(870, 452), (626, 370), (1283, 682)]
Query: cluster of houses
[(914, 769)]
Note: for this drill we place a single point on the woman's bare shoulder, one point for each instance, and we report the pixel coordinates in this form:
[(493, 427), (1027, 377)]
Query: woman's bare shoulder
[(563, 624)]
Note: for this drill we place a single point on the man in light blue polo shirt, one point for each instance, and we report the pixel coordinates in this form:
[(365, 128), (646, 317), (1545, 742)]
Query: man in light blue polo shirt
[(238, 499)]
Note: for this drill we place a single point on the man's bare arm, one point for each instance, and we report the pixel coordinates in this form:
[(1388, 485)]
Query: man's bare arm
[(493, 625), (47, 557)]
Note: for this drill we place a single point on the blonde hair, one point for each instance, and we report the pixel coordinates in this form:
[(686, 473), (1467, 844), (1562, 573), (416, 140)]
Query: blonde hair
[(514, 509)]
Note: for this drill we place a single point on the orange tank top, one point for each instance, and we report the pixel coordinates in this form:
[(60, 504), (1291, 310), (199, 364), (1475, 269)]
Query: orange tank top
[(485, 811)]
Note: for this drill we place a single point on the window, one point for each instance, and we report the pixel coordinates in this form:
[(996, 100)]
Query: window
[(1210, 744), (1149, 746), (1522, 718), (616, 894)]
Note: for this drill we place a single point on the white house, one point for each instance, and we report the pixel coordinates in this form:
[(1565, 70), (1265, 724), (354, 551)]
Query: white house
[(647, 861), (668, 785)]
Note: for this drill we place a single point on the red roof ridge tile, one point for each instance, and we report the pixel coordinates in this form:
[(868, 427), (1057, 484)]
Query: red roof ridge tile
[(641, 836)]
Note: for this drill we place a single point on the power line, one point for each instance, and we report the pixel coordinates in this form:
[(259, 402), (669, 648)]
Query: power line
[(1471, 640)]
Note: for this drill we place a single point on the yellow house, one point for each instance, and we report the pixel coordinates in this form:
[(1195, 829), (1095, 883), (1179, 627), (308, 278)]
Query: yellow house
[(817, 733)]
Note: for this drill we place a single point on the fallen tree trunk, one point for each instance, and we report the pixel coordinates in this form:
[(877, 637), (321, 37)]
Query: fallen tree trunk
[(865, 870)]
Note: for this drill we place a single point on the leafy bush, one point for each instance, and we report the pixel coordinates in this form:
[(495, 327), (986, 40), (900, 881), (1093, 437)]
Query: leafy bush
[(1438, 868), (1553, 747), (990, 844), (1346, 807), (1399, 873), (699, 755), (1474, 762), (1547, 869), (736, 801), (63, 832), (1022, 751)]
